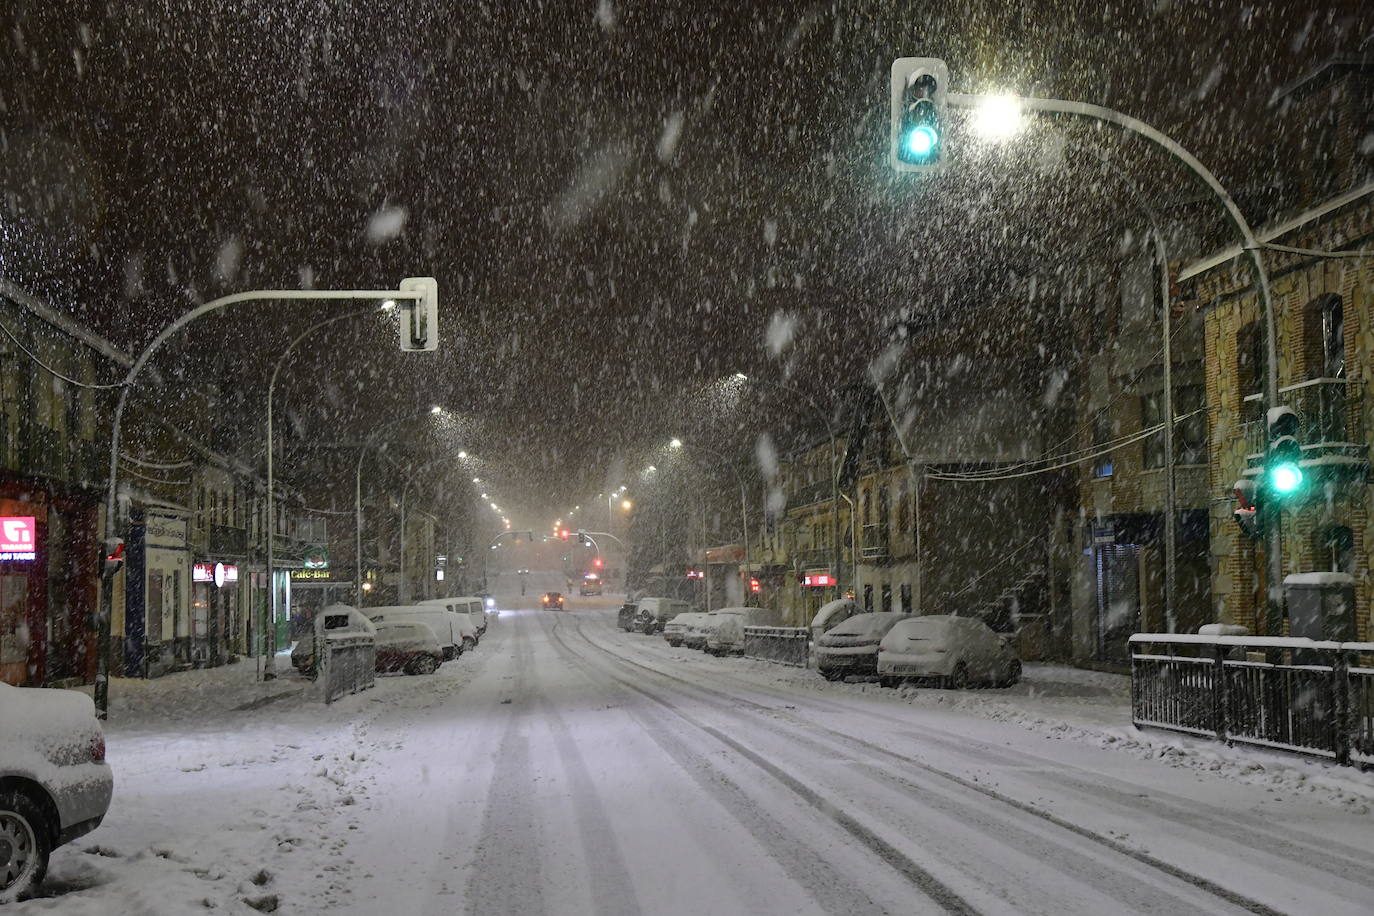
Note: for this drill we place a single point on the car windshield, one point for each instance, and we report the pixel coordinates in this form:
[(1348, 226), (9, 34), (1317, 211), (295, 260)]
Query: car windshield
[(821, 457)]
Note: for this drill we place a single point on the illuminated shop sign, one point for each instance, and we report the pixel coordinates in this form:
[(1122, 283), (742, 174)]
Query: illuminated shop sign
[(818, 579), (18, 537), (218, 573)]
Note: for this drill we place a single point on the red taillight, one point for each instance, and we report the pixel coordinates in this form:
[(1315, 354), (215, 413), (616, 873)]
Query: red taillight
[(98, 748)]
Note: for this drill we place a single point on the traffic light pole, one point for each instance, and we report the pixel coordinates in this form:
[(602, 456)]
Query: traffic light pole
[(1274, 603), (102, 669)]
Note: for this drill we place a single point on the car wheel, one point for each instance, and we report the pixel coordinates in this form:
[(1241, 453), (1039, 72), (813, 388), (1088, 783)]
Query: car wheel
[(425, 664), (1013, 673), (958, 678), (831, 674), (24, 845)]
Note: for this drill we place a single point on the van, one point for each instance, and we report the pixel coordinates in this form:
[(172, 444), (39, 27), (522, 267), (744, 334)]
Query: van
[(727, 635), (472, 607), (447, 629), (655, 612)]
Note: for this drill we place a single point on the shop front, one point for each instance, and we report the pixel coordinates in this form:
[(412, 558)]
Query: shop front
[(215, 617), (157, 592), (313, 589)]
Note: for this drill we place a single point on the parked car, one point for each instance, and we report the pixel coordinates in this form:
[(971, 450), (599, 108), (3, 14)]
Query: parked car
[(553, 601), (654, 613), (727, 636), (54, 782), (852, 646), (832, 614), (408, 646), (956, 651), (676, 629), (335, 618), (698, 635), (448, 629), (625, 619)]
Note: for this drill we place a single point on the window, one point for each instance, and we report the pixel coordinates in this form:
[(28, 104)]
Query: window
[(887, 597), (1190, 434), (1336, 549), (1102, 435), (904, 513), (1249, 365), (868, 599), (906, 597)]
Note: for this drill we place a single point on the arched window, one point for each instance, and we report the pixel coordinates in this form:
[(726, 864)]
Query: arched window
[(1324, 336)]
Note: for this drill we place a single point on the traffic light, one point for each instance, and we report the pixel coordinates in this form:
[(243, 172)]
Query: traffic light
[(597, 562), (1247, 512), (113, 554), (418, 319), (1282, 462), (918, 114), (563, 533), (583, 539), (754, 585)]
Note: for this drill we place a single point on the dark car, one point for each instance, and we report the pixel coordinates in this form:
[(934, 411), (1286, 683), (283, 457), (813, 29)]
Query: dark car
[(553, 601), (626, 619)]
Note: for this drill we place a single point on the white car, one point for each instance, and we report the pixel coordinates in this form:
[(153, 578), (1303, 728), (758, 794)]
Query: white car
[(727, 636), (957, 651), (852, 647), (699, 636), (675, 629), (654, 613), (448, 629), (54, 782), (832, 614)]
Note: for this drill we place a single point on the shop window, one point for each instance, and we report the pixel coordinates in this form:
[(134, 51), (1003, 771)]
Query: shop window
[(14, 629)]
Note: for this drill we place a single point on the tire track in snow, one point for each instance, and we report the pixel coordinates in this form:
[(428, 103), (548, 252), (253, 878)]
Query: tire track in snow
[(736, 703), (505, 876), (836, 893)]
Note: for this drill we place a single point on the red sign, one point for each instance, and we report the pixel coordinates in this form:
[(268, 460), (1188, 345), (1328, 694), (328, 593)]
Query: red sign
[(203, 572), (819, 579), (218, 573), (695, 574), (754, 585), (18, 537)]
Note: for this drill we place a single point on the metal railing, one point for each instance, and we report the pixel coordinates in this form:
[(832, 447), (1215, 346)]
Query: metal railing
[(1328, 414), (1316, 699), (787, 645), (350, 664), (875, 542)]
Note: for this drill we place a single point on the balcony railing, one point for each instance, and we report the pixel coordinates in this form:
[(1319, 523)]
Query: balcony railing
[(875, 542), (1329, 416)]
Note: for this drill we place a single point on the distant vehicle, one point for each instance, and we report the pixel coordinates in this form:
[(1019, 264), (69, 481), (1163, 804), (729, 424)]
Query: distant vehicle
[(553, 601), (956, 651), (727, 637), (852, 647), (625, 619), (676, 629), (654, 613), (54, 782), (335, 618), (448, 629), (591, 584), (410, 647), (489, 603)]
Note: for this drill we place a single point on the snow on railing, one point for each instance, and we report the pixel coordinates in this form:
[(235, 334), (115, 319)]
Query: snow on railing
[(787, 645), (1303, 695)]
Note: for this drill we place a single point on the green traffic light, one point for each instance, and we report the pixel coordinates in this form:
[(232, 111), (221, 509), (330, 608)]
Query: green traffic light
[(1285, 478), (920, 141)]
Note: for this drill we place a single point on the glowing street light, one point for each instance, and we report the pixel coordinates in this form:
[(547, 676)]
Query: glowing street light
[(675, 443), (436, 410), (462, 454), (626, 505), (998, 117)]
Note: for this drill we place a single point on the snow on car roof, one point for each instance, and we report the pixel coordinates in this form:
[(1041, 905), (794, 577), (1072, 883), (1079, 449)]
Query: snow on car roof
[(864, 624)]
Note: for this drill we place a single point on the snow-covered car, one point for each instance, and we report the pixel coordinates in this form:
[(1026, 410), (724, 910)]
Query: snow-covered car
[(445, 624), (469, 627), (54, 782), (334, 619), (472, 607), (410, 646), (675, 629), (852, 646), (625, 619), (699, 634), (727, 636), (832, 614), (956, 651), (654, 613)]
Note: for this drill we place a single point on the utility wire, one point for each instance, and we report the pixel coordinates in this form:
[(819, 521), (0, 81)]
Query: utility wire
[(50, 370), (157, 466)]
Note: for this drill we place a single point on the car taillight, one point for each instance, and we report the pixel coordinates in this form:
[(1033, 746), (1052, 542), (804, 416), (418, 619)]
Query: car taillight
[(98, 748)]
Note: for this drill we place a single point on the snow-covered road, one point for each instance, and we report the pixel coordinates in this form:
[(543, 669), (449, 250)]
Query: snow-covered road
[(566, 767)]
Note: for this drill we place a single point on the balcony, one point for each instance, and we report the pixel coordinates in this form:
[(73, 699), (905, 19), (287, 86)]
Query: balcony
[(875, 543), (1330, 420)]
